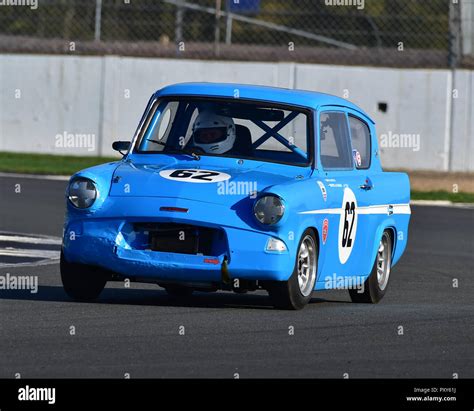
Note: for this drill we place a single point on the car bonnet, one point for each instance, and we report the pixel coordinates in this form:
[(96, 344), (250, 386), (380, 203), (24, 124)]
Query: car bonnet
[(200, 180)]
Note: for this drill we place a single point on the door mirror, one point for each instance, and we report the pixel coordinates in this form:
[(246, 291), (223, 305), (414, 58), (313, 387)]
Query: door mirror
[(121, 146)]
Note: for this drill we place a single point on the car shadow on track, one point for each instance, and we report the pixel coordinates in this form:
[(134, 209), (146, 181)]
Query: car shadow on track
[(158, 297)]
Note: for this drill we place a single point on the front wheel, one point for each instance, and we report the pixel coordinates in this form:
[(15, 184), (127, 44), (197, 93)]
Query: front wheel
[(295, 293), (376, 285), (82, 282)]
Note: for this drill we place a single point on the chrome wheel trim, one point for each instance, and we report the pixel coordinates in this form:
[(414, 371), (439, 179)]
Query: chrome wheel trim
[(384, 261), (306, 265)]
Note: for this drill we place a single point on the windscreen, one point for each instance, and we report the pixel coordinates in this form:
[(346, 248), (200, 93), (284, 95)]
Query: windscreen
[(227, 128)]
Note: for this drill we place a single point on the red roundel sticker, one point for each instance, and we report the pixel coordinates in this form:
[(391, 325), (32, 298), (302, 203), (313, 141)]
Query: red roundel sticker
[(325, 230)]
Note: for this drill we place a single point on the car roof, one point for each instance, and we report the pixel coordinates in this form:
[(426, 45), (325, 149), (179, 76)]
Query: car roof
[(303, 98)]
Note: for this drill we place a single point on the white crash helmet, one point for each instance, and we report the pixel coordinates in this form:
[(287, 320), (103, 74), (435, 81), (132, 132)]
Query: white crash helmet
[(213, 133)]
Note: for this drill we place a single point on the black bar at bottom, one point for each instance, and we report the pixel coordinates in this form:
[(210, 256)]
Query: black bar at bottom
[(430, 394)]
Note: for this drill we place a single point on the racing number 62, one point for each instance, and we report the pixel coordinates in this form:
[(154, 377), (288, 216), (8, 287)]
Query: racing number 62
[(349, 213), (194, 174)]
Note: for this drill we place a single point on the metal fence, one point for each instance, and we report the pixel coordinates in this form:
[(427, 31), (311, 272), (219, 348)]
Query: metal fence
[(402, 33)]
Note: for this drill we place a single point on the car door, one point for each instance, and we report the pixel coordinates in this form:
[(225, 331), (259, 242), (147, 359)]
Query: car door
[(369, 181), (346, 243)]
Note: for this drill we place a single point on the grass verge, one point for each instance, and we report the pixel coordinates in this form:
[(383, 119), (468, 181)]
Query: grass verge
[(443, 195), (47, 163)]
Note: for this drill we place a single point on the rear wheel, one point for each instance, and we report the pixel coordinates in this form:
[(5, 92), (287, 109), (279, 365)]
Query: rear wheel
[(295, 293), (376, 285), (82, 282)]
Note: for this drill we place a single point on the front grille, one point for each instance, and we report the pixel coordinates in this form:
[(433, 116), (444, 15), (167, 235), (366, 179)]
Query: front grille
[(183, 238)]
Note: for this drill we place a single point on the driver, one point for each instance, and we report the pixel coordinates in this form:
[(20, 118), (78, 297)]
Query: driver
[(213, 133)]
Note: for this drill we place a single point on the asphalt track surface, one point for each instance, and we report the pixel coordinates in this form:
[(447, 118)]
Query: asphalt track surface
[(137, 330)]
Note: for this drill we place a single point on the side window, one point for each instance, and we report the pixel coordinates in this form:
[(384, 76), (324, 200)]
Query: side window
[(334, 141), (360, 137), (158, 126)]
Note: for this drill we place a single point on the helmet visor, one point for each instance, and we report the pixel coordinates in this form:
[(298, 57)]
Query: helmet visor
[(210, 135)]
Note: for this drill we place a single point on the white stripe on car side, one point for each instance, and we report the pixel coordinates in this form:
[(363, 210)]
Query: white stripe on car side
[(375, 209), (383, 209), (322, 211)]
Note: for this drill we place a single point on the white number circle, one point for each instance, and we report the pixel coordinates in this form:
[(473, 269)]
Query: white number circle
[(194, 175), (347, 225)]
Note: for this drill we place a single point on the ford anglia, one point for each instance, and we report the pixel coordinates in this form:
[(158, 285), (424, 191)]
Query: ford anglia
[(240, 188)]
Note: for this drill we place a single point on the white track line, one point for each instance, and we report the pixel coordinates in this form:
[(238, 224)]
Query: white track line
[(47, 256), (29, 253), (32, 235), (30, 264), (36, 176), (441, 203), (30, 240)]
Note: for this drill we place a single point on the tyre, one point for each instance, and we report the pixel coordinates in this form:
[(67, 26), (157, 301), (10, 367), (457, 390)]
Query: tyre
[(82, 282), (295, 293), (178, 291), (376, 284)]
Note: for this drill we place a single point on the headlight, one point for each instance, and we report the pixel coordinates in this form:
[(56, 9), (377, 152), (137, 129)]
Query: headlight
[(268, 209), (82, 192)]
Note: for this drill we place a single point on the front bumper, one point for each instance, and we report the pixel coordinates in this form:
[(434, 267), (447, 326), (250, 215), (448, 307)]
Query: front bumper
[(98, 240)]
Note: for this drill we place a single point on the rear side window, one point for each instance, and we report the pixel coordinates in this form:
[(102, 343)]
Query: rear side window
[(360, 137), (335, 146)]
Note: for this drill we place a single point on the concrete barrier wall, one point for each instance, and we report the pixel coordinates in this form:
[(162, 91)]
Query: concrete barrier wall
[(79, 105), (462, 154), (45, 96)]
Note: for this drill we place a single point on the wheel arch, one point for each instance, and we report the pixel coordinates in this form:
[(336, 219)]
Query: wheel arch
[(316, 234), (393, 235), (320, 259)]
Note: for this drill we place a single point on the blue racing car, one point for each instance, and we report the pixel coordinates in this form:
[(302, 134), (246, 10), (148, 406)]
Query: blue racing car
[(239, 187)]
